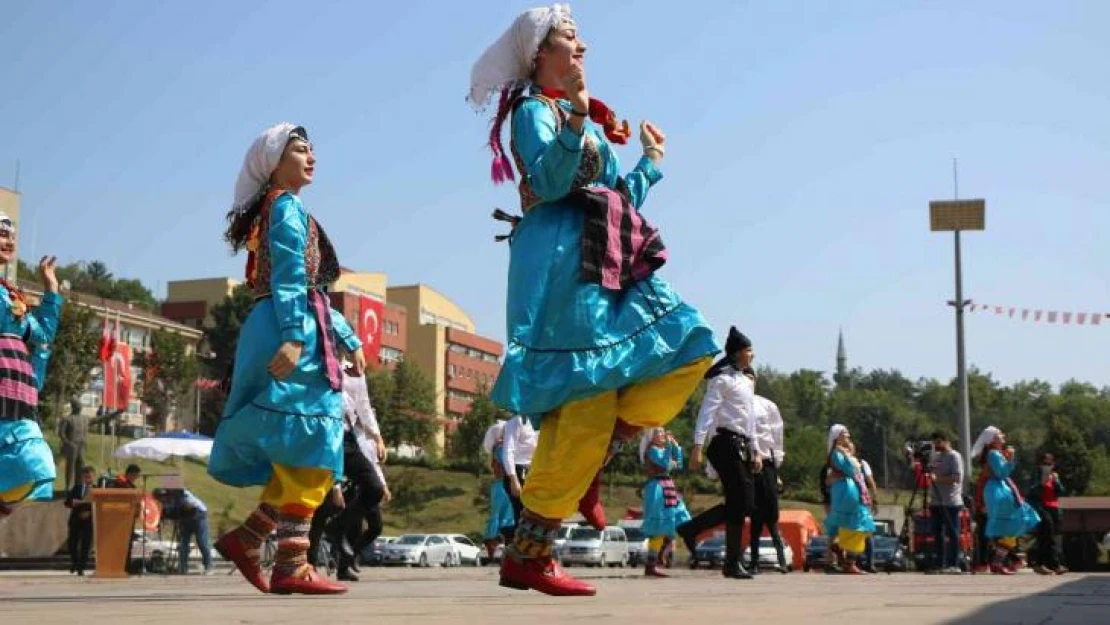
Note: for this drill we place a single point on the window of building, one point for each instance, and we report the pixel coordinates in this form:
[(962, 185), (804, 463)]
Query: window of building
[(456, 348), (388, 355)]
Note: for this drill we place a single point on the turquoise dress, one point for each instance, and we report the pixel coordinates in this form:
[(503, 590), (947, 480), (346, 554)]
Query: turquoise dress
[(500, 506), (25, 457), (846, 509), (660, 520), (1006, 517), (569, 339), (296, 421)]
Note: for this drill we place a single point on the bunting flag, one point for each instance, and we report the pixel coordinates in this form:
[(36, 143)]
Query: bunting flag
[(1051, 316)]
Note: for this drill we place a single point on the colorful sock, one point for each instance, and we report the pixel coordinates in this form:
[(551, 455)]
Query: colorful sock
[(293, 543), (258, 526), (534, 538)]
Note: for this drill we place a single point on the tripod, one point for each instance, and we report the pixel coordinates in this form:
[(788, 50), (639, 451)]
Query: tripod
[(924, 484)]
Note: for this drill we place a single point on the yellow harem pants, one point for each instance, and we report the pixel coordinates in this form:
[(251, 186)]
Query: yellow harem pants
[(574, 438), (17, 494), (297, 491)]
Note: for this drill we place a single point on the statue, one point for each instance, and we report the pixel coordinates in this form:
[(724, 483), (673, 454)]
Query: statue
[(73, 432)]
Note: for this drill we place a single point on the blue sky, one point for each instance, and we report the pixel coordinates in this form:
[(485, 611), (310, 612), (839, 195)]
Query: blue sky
[(805, 140)]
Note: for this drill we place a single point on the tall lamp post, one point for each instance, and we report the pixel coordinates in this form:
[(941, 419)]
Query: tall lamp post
[(957, 216)]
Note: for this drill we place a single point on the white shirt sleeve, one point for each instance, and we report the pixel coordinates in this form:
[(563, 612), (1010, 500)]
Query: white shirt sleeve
[(512, 432), (747, 401), (774, 417), (372, 422), (714, 396)]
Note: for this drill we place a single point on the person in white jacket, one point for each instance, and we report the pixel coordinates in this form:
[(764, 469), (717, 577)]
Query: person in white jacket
[(769, 431)]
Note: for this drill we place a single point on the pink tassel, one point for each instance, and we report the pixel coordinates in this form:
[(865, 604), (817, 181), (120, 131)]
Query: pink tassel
[(501, 170)]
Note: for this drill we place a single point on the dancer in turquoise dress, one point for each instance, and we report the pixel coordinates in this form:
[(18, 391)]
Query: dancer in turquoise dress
[(1009, 516), (663, 508), (500, 505), (26, 462), (282, 425), (849, 521), (599, 346)]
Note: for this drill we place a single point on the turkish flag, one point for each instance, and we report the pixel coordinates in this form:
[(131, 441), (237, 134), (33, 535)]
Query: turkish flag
[(117, 378), (371, 314)]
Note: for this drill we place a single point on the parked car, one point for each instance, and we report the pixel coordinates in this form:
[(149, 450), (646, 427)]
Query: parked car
[(817, 553), (586, 545), (419, 550), (710, 552), (561, 538), (888, 553), (637, 546), (466, 552), (372, 553), (768, 557)]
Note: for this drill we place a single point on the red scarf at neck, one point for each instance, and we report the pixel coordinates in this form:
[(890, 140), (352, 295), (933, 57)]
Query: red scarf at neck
[(600, 114)]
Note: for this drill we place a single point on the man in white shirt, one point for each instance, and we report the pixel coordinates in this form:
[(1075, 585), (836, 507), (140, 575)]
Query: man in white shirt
[(734, 451), (520, 440), (769, 432)]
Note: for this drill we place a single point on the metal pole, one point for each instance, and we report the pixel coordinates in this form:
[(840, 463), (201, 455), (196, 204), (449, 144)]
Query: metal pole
[(961, 367)]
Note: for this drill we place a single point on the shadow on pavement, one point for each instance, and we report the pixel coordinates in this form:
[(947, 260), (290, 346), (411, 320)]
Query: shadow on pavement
[(1083, 601)]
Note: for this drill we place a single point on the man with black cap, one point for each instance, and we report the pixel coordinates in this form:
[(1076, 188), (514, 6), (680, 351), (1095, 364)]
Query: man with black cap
[(734, 451)]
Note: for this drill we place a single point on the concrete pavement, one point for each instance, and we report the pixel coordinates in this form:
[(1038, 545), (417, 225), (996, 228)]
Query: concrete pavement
[(472, 596)]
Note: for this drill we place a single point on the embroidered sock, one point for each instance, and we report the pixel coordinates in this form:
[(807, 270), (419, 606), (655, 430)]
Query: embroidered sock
[(258, 526), (534, 539), (292, 551)]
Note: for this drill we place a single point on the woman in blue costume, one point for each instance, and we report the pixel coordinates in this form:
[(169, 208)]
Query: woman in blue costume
[(849, 521), (500, 506), (663, 508), (26, 462), (1009, 516), (598, 345), (282, 424)]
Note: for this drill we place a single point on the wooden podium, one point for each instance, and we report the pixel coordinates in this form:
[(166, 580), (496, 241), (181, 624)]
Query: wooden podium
[(114, 514)]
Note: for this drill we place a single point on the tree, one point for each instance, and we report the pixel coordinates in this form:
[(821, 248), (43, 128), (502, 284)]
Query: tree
[(168, 373), (73, 356), (466, 444), (407, 414), (1074, 460), (227, 321)]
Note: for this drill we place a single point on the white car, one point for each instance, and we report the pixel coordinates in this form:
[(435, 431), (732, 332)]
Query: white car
[(561, 537), (465, 551), (419, 550), (768, 557), (637, 545), (586, 545)]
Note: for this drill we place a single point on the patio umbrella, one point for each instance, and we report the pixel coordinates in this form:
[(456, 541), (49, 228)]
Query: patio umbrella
[(166, 446)]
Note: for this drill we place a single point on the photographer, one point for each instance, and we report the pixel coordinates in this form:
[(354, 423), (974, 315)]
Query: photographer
[(947, 476), (193, 522)]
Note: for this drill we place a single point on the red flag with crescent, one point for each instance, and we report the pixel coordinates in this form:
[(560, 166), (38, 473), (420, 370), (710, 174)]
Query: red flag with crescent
[(370, 322), (117, 378)]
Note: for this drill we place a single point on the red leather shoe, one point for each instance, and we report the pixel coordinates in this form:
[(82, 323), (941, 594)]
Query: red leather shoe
[(542, 576), (652, 570), (231, 547), (980, 568), (307, 582), (852, 569), (590, 505), (1001, 570)]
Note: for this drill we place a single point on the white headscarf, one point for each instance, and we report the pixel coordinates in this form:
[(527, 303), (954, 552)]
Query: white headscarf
[(986, 437), (645, 441), (511, 59), (261, 160), (493, 433), (6, 223), (834, 433)]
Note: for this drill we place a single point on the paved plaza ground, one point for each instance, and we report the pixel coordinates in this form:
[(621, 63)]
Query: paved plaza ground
[(472, 596)]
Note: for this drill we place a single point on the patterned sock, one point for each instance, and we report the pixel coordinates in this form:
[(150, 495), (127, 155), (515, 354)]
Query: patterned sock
[(534, 538), (258, 526), (292, 551)]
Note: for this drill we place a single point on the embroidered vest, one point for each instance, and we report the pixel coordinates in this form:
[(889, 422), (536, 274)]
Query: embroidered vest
[(320, 261), (589, 167)]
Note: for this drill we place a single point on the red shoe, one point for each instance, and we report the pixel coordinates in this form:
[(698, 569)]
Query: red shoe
[(852, 569), (1001, 570), (590, 505), (980, 569), (542, 576), (307, 582), (652, 570), (231, 547)]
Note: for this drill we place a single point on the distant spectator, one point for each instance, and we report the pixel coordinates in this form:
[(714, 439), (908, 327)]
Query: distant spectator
[(1044, 493), (129, 479)]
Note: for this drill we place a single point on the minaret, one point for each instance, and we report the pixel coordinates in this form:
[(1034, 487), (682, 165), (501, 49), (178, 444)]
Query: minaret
[(841, 362)]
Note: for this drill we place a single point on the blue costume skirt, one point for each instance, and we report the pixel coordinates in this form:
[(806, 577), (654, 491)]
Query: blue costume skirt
[(847, 510), (659, 520), (296, 422), (500, 510), (570, 339), (1005, 518), (25, 458)]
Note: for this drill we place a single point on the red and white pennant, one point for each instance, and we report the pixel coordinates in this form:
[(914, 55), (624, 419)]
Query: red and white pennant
[(1051, 316)]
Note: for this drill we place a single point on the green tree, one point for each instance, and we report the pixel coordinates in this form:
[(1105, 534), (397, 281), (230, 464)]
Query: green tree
[(409, 414), (227, 321), (73, 356), (169, 371), (466, 443), (1074, 459)]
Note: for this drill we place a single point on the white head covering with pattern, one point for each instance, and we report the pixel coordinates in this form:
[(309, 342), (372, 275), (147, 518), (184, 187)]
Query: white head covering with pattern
[(834, 433), (511, 59), (986, 437), (260, 162), (645, 441)]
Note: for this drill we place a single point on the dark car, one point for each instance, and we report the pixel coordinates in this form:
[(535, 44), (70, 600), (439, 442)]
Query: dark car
[(817, 553), (888, 553), (372, 553), (710, 552)]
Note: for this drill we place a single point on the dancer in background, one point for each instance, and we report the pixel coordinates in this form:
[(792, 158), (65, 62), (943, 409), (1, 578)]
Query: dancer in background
[(849, 522), (501, 516), (598, 344), (1009, 516), (661, 457), (282, 426)]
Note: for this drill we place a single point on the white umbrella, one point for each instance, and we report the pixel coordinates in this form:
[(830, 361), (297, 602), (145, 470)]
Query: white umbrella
[(166, 446)]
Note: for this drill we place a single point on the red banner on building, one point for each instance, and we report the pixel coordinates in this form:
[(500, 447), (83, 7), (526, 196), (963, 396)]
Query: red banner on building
[(371, 314), (117, 378)]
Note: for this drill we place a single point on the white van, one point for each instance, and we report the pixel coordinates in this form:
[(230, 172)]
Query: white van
[(586, 545)]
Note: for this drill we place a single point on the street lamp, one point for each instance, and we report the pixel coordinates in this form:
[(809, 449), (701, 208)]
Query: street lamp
[(957, 216)]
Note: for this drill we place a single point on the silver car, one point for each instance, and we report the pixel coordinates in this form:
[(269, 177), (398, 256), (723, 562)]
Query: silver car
[(419, 550), (586, 545)]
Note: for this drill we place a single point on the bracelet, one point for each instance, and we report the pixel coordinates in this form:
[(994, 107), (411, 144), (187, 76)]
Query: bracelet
[(577, 113), (654, 148)]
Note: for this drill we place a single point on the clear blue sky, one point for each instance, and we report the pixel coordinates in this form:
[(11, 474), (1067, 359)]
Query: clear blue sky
[(805, 140)]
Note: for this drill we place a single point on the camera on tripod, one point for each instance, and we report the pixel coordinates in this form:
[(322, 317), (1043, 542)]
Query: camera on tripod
[(919, 451)]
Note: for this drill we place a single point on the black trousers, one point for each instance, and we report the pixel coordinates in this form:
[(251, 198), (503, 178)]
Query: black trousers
[(1048, 553), (79, 542), (730, 455), (362, 501), (507, 533), (766, 513), (984, 553)]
